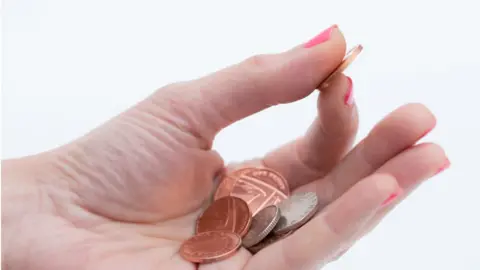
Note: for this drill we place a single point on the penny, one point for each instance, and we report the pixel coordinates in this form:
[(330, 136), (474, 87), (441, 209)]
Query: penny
[(225, 187), (211, 246), (257, 194), (259, 187), (296, 211), (226, 214), (347, 60), (262, 224), (228, 181), (270, 239), (269, 176)]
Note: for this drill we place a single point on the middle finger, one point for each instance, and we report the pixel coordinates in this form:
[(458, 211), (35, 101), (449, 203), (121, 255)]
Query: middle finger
[(398, 131)]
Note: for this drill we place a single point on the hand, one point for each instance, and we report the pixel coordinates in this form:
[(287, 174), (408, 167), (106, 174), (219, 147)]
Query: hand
[(126, 195)]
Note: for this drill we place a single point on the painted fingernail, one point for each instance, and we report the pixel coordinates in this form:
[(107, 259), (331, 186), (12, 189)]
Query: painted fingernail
[(390, 199), (322, 37), (348, 99), (445, 166)]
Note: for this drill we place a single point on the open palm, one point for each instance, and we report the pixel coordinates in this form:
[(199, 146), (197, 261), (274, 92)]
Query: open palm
[(126, 195)]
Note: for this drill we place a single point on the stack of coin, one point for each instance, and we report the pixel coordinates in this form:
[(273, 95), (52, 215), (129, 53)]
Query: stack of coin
[(252, 208)]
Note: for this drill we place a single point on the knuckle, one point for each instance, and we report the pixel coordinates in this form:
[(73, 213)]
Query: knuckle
[(171, 91), (259, 62)]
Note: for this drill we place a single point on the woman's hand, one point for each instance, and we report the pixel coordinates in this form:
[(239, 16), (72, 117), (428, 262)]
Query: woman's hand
[(126, 195)]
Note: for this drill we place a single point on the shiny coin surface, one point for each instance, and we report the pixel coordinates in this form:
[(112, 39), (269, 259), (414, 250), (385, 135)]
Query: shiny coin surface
[(270, 239), (259, 187), (296, 211), (209, 247), (262, 224), (268, 176), (226, 214), (347, 60)]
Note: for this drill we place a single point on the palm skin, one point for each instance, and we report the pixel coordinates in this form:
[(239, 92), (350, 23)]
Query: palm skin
[(126, 195)]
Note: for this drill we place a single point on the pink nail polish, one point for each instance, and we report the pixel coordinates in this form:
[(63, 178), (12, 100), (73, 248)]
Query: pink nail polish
[(445, 166), (390, 199), (320, 38), (348, 99)]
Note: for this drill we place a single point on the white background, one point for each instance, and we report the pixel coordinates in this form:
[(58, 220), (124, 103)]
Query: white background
[(68, 66)]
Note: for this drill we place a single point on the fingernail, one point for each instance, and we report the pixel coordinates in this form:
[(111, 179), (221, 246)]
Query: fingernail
[(348, 99), (390, 199), (320, 38), (445, 166)]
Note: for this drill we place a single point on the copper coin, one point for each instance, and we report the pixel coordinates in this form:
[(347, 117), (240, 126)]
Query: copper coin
[(228, 180), (225, 187), (347, 60), (268, 176), (296, 211), (209, 247), (226, 214), (262, 224), (259, 187), (270, 239)]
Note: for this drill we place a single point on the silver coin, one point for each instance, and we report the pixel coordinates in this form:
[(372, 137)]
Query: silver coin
[(296, 211), (262, 224)]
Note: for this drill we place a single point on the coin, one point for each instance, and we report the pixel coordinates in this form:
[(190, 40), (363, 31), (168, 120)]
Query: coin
[(259, 187), (268, 176), (211, 246), (262, 224), (226, 214), (347, 60), (264, 174), (296, 211), (225, 187), (270, 239)]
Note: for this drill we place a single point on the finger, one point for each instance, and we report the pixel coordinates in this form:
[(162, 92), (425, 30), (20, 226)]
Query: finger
[(411, 168), (398, 131), (328, 139), (317, 241), (204, 106)]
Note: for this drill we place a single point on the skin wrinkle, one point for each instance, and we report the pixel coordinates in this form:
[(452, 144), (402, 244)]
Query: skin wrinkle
[(175, 110), (83, 172), (152, 135), (66, 167), (84, 165), (155, 111), (166, 134)]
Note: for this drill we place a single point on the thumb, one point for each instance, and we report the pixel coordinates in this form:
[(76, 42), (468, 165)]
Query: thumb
[(206, 105)]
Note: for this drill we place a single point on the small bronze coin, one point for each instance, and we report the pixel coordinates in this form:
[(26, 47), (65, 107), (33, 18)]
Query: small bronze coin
[(258, 187), (270, 239), (268, 176), (262, 224), (347, 60), (296, 211), (229, 214), (209, 247), (225, 187)]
